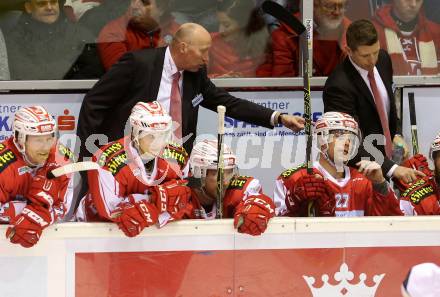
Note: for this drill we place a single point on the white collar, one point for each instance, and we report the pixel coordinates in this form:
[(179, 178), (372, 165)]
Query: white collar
[(339, 182), (169, 64), (362, 71)]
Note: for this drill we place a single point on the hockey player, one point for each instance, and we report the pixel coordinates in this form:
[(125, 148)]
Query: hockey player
[(125, 189), (28, 200), (335, 189), (422, 196), (243, 199)]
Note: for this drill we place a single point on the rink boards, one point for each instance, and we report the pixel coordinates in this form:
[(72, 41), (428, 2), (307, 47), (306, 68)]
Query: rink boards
[(209, 259)]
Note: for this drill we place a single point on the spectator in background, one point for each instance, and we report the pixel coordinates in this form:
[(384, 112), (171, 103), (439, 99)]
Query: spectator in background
[(145, 24), (74, 9), (4, 68), (44, 45), (240, 45), (95, 19), (328, 41), (409, 37), (201, 12)]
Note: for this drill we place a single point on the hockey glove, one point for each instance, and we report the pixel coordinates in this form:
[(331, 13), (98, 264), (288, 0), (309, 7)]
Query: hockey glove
[(172, 197), (27, 227), (418, 162), (253, 214), (133, 218)]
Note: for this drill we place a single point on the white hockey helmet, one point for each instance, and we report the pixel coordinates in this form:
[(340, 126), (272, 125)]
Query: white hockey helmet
[(204, 157), (150, 118), (435, 146), (335, 121), (32, 120)]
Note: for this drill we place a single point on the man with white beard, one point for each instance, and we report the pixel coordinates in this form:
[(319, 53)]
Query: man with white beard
[(330, 25)]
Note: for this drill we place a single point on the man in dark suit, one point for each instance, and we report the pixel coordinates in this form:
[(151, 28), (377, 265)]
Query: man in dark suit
[(362, 87), (159, 74)]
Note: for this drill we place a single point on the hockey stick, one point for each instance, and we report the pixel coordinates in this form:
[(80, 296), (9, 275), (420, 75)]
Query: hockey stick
[(71, 168), (221, 110), (413, 122), (281, 14)]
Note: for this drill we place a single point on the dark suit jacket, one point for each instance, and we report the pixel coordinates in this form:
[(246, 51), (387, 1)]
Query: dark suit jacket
[(346, 91), (136, 77)]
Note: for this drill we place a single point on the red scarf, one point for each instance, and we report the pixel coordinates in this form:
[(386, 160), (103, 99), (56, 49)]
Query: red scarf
[(389, 35)]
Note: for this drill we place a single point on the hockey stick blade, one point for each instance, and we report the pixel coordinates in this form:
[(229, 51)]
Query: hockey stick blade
[(281, 14), (71, 168)]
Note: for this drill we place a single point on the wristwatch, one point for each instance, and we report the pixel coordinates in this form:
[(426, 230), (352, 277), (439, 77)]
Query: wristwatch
[(279, 117)]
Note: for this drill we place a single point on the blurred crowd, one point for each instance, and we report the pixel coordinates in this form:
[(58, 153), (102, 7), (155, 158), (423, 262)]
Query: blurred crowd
[(82, 39)]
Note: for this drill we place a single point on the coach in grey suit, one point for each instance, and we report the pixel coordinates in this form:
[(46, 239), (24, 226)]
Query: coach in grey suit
[(348, 89), (142, 76)]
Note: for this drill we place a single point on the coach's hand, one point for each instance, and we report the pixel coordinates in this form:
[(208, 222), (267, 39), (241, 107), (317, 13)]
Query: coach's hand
[(294, 123), (407, 175)]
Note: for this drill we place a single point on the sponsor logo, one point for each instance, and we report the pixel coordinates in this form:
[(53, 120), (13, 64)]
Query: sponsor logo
[(117, 162), (67, 153), (237, 182), (418, 191), (115, 147), (287, 173), (7, 157), (24, 169), (170, 153)]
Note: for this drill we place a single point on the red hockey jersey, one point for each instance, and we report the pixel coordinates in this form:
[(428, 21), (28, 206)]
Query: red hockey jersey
[(239, 188), (124, 178), (18, 186), (354, 194)]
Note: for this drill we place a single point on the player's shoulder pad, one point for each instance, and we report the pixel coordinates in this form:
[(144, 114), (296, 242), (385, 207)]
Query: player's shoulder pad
[(418, 190), (175, 152), (7, 157), (113, 157), (65, 152), (238, 182), (289, 172)]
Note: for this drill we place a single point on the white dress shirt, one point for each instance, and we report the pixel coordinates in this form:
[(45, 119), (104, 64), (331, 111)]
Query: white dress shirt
[(383, 94), (379, 83), (169, 68)]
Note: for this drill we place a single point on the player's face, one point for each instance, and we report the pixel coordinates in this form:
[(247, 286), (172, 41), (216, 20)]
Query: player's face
[(227, 26), (341, 145), (151, 145), (211, 181), (45, 11), (407, 10), (329, 13), (37, 148), (365, 56)]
